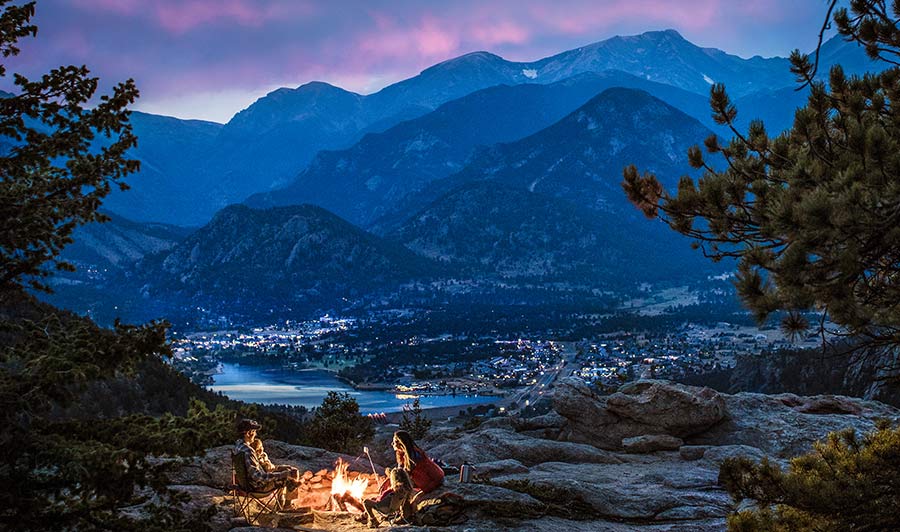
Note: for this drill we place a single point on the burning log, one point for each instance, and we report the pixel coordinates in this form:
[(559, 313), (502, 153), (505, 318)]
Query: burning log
[(338, 490), (340, 502)]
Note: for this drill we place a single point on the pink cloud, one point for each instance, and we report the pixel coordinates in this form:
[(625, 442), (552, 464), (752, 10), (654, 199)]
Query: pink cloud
[(593, 16), (180, 16), (184, 16), (433, 38), (174, 47), (504, 32), (428, 38)]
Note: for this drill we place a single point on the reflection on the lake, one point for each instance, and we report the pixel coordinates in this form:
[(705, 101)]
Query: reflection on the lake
[(277, 385)]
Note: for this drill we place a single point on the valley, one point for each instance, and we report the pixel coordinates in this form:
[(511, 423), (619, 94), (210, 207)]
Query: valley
[(515, 358)]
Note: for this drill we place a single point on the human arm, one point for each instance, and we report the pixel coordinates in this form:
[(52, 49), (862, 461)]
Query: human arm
[(257, 473)]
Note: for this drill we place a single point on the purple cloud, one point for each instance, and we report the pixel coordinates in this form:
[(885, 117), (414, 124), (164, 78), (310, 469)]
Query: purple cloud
[(227, 52)]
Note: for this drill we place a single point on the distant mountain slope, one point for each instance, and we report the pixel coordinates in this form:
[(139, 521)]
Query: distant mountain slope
[(775, 108), (580, 158), (850, 55), (172, 152), (512, 234), (667, 57), (285, 255), (103, 254), (367, 180), (120, 242)]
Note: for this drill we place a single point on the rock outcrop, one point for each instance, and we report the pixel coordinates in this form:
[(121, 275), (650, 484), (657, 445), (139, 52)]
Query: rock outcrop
[(640, 408), (487, 445), (646, 458), (786, 425)]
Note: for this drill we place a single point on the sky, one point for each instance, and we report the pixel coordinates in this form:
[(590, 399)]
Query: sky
[(208, 59)]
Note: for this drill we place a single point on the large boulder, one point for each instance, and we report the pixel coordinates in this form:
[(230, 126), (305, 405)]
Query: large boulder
[(647, 407), (670, 408)]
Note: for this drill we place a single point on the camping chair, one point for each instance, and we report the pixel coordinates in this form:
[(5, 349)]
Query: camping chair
[(248, 503)]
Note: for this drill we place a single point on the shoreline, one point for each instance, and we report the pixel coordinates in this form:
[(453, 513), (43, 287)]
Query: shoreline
[(436, 413)]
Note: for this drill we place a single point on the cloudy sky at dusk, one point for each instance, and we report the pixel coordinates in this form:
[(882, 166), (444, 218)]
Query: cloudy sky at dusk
[(210, 58)]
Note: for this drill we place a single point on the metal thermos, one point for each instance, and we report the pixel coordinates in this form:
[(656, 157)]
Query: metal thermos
[(465, 472)]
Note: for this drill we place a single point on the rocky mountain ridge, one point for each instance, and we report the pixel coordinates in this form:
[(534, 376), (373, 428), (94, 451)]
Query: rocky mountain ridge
[(580, 158), (494, 230), (285, 258), (367, 180)]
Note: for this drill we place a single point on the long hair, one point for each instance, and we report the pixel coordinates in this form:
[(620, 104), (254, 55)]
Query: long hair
[(405, 450)]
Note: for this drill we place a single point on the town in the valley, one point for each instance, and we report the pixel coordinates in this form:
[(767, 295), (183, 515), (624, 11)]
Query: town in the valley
[(381, 352)]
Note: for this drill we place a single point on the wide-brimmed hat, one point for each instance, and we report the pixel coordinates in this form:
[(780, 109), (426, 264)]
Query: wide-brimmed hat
[(246, 424)]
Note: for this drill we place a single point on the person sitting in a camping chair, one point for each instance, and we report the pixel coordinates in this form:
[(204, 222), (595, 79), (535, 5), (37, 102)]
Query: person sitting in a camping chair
[(260, 474)]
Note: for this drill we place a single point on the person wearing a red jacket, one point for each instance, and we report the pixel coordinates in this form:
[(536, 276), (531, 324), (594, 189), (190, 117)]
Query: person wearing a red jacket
[(426, 475)]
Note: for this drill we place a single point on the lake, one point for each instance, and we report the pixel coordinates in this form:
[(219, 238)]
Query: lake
[(277, 385)]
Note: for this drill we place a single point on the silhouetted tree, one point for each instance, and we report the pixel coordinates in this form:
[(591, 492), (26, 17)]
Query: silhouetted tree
[(51, 181), (58, 160), (414, 421), (338, 426)]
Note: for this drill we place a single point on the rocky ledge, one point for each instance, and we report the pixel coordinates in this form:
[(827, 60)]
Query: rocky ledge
[(644, 458)]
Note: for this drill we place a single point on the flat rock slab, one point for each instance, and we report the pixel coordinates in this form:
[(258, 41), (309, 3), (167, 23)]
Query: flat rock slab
[(667, 489), (499, 467)]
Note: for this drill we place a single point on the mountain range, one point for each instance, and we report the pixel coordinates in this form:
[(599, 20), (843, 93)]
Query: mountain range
[(544, 209), (580, 158), (267, 145), (478, 170), (366, 181), (285, 258)]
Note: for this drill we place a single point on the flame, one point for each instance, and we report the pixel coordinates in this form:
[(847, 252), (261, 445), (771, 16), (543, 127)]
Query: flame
[(341, 482)]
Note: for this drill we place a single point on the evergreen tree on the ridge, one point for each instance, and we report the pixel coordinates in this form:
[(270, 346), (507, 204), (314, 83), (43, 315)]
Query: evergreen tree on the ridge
[(846, 483), (812, 215), (338, 426), (414, 420)]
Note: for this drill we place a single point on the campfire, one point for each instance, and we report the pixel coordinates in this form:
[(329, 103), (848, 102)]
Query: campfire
[(345, 491), (337, 490)]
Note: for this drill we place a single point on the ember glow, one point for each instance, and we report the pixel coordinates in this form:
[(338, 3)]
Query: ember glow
[(341, 484)]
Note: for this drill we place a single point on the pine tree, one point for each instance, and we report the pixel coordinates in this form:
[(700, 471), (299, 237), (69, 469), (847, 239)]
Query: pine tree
[(846, 483), (812, 215), (414, 421), (50, 180), (338, 426)]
